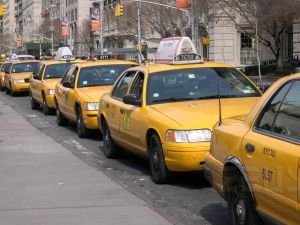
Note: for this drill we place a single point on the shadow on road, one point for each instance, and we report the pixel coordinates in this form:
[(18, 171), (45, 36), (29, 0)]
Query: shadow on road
[(209, 213)]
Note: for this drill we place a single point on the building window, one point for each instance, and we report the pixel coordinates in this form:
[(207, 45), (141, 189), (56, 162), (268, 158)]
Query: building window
[(246, 41)]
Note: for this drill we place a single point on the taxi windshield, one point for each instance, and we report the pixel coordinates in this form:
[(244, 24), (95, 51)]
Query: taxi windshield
[(198, 83), (4, 67), (100, 75), (56, 70), (24, 67)]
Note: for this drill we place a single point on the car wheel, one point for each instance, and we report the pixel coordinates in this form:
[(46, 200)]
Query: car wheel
[(159, 171), (240, 203), (45, 107), (110, 149), (33, 103), (82, 131), (2, 88), (61, 120), (7, 91), (12, 93)]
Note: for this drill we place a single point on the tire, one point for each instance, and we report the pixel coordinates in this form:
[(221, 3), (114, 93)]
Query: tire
[(2, 88), (82, 131), (45, 107), (110, 149), (240, 202), (7, 91), (12, 93), (61, 120), (33, 103), (159, 171)]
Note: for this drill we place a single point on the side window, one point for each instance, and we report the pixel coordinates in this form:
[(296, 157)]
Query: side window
[(35, 73), (267, 117), (122, 87), (73, 77), (67, 74), (287, 121), (137, 87)]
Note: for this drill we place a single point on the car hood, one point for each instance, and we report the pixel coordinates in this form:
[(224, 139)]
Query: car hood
[(204, 113), (95, 93), (51, 83), (17, 76)]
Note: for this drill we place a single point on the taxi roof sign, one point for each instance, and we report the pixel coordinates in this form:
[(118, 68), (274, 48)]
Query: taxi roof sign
[(177, 50)]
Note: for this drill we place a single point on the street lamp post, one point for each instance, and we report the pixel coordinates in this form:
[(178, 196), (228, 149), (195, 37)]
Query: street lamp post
[(52, 30)]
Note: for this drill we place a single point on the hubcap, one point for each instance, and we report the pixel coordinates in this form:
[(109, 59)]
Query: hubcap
[(241, 211)]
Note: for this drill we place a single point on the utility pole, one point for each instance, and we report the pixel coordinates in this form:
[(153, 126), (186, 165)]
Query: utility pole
[(101, 25), (139, 30)]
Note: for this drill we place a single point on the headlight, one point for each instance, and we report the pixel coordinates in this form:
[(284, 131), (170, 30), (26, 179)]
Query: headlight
[(50, 92), (91, 106), (19, 81), (185, 136)]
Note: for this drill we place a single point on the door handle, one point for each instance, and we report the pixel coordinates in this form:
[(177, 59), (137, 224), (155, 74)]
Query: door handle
[(121, 111), (250, 148)]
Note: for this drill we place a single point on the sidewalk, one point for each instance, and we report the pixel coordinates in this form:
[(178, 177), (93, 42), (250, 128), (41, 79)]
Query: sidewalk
[(42, 183)]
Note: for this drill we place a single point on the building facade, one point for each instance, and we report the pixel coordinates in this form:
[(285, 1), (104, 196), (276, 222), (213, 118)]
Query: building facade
[(9, 23)]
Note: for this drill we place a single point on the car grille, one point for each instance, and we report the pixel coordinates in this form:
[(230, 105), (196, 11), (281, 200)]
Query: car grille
[(26, 80)]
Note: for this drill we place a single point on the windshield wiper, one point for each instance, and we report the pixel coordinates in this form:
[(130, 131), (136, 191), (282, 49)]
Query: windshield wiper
[(54, 77), (91, 85), (172, 100)]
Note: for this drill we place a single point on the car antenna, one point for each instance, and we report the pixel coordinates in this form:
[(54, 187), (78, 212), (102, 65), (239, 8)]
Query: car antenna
[(220, 106)]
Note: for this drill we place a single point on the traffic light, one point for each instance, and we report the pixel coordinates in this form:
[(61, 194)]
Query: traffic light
[(119, 10), (182, 4), (3, 9)]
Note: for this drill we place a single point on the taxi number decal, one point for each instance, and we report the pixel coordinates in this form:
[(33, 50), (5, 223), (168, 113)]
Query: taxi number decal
[(126, 120), (270, 152), (267, 174)]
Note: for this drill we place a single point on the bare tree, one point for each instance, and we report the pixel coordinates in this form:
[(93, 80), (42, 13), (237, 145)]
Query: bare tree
[(85, 36), (264, 20)]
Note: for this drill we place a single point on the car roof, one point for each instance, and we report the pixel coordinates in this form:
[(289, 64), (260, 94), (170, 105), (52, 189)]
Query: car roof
[(153, 68), (53, 62), (106, 62), (24, 61)]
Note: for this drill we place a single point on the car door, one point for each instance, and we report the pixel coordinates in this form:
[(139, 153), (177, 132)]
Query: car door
[(71, 97), (271, 154), (133, 119), (62, 92), (39, 85), (113, 106)]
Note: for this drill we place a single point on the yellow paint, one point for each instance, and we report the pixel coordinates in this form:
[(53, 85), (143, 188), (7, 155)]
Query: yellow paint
[(272, 169), (131, 132), (68, 99)]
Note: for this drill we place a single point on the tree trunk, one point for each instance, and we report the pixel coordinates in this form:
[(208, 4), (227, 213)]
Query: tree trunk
[(279, 61)]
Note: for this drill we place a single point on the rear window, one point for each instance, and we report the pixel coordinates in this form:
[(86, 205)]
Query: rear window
[(56, 70), (24, 67), (198, 83), (100, 75)]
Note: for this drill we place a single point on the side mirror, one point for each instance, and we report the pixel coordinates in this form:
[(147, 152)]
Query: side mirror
[(66, 84), (131, 100)]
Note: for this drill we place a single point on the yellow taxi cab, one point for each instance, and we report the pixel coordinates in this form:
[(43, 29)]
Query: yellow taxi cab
[(4, 68), (166, 112), (43, 82), (18, 76), (254, 161), (77, 95)]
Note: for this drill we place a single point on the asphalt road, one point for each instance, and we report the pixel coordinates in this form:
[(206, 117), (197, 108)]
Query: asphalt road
[(189, 200)]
